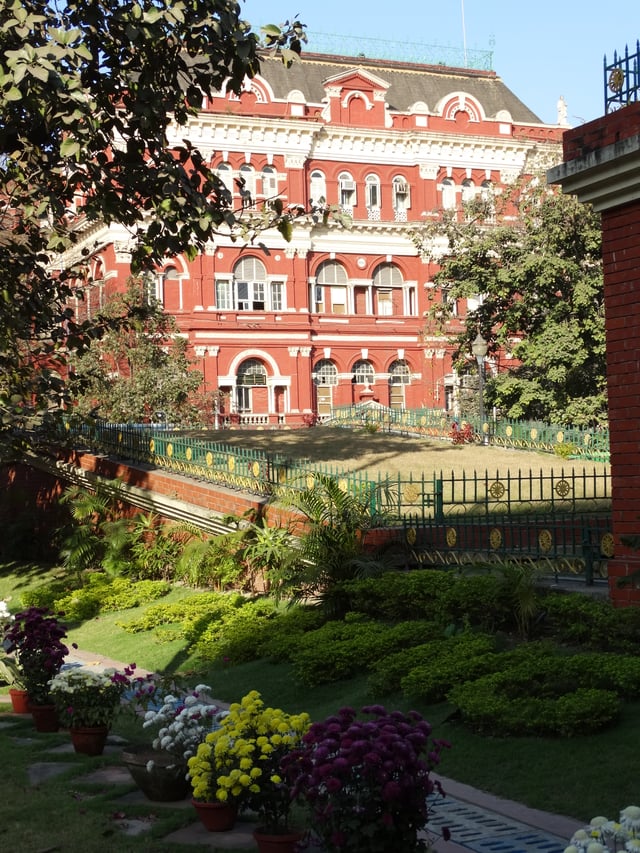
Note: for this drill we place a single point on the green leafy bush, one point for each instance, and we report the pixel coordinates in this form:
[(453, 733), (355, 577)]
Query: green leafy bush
[(185, 615), (454, 661), (591, 623), (99, 594), (550, 695), (238, 635), (483, 601), (338, 650), (283, 634)]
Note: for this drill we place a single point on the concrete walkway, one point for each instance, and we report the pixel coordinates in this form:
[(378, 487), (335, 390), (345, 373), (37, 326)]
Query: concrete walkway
[(477, 821)]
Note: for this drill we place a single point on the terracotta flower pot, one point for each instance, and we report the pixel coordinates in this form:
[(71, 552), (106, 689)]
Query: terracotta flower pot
[(286, 842), (19, 700), (89, 740), (164, 782), (45, 717), (216, 817)]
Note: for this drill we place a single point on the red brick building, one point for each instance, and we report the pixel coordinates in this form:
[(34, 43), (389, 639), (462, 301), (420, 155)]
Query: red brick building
[(337, 315)]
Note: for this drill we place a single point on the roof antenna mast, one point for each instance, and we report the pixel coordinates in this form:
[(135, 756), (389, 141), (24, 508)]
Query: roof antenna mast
[(464, 36)]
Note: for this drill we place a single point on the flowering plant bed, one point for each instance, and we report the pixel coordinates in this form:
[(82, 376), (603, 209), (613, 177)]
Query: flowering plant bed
[(366, 781), (87, 697), (241, 761)]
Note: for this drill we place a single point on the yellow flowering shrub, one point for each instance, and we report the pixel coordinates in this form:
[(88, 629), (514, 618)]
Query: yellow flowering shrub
[(241, 760)]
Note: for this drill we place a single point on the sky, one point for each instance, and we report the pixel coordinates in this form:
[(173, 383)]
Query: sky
[(542, 49)]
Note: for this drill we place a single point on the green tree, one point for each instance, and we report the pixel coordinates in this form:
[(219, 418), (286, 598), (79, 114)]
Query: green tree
[(139, 367), (539, 283), (88, 89)]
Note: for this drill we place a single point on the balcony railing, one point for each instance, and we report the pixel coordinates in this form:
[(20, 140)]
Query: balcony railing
[(621, 79)]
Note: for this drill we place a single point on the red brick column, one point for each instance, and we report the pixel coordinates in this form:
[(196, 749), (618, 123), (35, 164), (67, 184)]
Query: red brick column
[(602, 166)]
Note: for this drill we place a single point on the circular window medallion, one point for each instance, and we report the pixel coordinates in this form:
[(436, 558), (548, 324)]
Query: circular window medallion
[(495, 538), (545, 540), (497, 490), (616, 80), (452, 537), (411, 535), (562, 488), (606, 545), (411, 493)]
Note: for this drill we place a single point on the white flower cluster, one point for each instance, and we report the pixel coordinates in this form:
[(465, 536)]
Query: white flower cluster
[(609, 836), (184, 722)]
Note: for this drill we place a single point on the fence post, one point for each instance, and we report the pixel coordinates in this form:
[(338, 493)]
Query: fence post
[(439, 499), (587, 553)]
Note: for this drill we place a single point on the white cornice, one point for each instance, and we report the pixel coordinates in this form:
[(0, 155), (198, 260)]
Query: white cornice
[(606, 178)]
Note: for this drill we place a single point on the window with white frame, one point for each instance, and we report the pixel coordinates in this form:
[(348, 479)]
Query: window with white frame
[(486, 194), (250, 373), (248, 190), (401, 198), (387, 278), (468, 191), (225, 173), (325, 373), (346, 191), (448, 194), (399, 373), (363, 373), (373, 198), (331, 288), (317, 187), (269, 182), (248, 289)]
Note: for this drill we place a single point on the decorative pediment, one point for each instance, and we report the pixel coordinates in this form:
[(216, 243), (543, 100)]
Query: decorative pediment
[(356, 79), (356, 97), (460, 102)]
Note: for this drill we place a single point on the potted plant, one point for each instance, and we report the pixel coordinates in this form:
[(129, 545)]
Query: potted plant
[(179, 718), (86, 701), (604, 834), (239, 763), (34, 638), (9, 670), (366, 781)]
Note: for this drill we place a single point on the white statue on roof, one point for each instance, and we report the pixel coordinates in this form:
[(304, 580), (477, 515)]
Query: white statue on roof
[(562, 112)]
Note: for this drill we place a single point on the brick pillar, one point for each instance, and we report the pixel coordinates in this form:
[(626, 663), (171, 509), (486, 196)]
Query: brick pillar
[(602, 166)]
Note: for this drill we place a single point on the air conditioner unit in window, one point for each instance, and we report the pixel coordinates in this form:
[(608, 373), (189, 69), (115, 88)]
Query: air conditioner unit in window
[(402, 187), (348, 185)]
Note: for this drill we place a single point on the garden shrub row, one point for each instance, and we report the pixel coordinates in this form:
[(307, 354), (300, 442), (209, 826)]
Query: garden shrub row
[(483, 601), (591, 623)]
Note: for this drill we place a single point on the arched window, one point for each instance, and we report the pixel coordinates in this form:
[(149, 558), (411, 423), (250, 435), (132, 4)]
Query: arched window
[(325, 373), (486, 194), (171, 291), (317, 188), (331, 287), (269, 182), (399, 376), (225, 173), (373, 199), (363, 373), (468, 191), (346, 192), (387, 290), (448, 194), (401, 198), (251, 373), (248, 190)]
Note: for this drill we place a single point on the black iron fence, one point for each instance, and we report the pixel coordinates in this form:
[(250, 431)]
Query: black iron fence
[(621, 79)]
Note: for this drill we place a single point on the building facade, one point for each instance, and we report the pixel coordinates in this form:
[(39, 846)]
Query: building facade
[(337, 315)]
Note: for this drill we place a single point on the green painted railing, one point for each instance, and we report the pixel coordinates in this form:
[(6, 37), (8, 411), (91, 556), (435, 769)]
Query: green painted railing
[(588, 443)]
